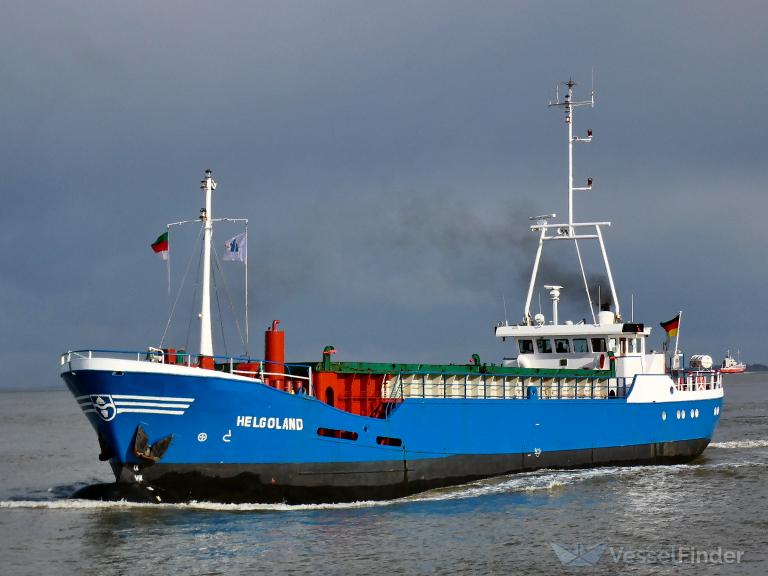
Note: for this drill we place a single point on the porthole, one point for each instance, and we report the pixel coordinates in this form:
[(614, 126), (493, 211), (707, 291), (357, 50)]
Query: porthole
[(663, 415), (693, 413), (682, 414), (697, 412), (678, 414)]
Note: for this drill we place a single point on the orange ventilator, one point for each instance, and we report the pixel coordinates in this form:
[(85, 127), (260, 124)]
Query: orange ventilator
[(274, 354)]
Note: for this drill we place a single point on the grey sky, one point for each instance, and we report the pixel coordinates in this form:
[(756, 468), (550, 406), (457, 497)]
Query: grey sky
[(388, 156)]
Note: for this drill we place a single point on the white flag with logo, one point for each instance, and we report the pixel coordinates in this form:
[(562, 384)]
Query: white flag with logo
[(236, 248)]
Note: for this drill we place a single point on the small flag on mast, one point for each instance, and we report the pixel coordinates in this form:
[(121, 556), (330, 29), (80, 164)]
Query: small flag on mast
[(236, 248), (160, 246), (671, 326)]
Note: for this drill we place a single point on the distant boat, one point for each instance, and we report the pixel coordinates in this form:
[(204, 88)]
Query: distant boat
[(732, 365)]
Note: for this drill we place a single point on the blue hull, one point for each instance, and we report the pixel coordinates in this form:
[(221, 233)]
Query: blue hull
[(240, 441)]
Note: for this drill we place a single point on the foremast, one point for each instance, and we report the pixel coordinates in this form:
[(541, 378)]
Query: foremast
[(570, 230), (207, 185)]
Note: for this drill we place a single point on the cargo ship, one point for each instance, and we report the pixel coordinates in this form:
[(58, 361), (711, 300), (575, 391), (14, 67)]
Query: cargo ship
[(731, 365), (177, 426)]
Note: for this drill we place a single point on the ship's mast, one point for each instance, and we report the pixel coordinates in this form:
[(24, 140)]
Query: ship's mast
[(208, 185), (568, 231), (569, 104)]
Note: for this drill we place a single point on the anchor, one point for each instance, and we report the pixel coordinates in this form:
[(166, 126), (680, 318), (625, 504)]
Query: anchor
[(143, 450)]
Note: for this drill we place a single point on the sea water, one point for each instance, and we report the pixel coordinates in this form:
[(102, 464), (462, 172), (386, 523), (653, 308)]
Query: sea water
[(707, 517)]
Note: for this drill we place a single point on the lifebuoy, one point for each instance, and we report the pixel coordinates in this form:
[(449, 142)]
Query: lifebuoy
[(602, 361)]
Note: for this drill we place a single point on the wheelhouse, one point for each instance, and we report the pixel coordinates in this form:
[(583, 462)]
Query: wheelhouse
[(581, 346)]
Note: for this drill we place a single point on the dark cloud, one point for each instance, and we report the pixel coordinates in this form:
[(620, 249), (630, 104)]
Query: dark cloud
[(388, 156)]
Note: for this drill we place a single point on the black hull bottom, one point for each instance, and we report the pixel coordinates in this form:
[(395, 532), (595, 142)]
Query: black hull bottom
[(353, 481)]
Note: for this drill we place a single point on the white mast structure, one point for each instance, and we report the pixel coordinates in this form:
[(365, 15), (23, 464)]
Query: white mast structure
[(568, 230), (208, 185)]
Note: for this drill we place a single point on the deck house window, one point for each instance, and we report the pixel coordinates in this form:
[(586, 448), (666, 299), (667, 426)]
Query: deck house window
[(580, 345), (598, 345), (526, 346), (562, 346), (544, 345)]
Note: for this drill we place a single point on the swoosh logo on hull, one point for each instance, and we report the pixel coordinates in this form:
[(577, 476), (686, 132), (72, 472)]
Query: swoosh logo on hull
[(108, 406)]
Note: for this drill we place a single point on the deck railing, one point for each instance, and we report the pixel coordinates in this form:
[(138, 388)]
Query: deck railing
[(502, 386), (226, 364), (697, 380)]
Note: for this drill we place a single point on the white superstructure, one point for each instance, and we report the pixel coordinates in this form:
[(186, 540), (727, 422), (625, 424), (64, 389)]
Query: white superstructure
[(606, 342)]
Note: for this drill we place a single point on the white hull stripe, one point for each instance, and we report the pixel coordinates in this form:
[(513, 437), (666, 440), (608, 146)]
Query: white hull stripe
[(115, 404), (130, 397), (88, 409), (150, 404), (150, 411), (128, 405), (160, 398)]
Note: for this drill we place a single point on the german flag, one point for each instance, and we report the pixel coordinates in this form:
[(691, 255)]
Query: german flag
[(671, 326)]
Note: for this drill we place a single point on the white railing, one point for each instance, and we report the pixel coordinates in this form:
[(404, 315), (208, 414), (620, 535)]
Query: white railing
[(278, 375), (698, 380), (503, 386), (183, 358)]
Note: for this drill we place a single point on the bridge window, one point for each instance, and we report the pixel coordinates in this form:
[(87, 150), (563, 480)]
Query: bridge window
[(544, 345), (526, 346), (598, 345), (580, 345), (562, 346)]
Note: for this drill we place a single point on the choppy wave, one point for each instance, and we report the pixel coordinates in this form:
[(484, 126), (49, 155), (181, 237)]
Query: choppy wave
[(537, 481), (525, 482), (759, 443)]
